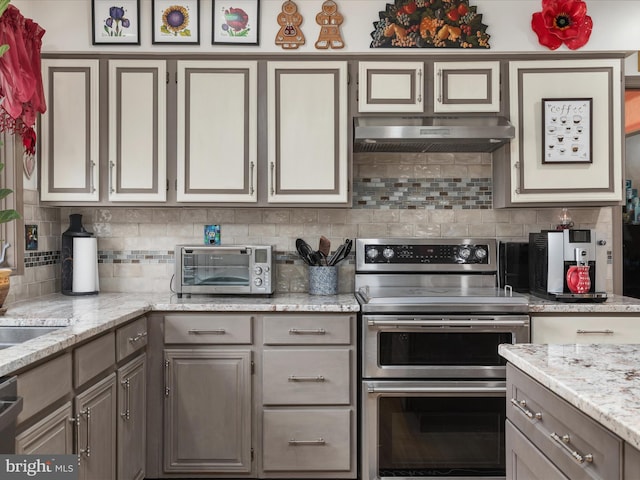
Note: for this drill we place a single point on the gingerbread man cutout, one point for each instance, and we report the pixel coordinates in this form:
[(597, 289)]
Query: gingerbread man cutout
[(329, 20), (289, 36)]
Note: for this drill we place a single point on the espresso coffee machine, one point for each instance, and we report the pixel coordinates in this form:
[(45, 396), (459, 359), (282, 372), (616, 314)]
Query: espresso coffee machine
[(556, 258)]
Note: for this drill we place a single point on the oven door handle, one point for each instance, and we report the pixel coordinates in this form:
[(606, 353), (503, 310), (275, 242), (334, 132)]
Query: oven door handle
[(445, 322), (407, 389)]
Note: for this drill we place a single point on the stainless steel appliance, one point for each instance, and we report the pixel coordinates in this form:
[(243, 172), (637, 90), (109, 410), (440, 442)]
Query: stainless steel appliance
[(433, 385), (552, 253), (10, 408), (226, 270), (431, 134)]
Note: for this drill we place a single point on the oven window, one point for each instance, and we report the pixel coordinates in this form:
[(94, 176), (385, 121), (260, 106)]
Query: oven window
[(216, 269), (467, 349), (441, 436)]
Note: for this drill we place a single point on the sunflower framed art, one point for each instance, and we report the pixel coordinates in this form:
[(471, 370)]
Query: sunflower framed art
[(115, 23), (236, 22), (175, 21)]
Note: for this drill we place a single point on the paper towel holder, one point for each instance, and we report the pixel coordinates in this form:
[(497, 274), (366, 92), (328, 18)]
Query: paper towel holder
[(71, 265)]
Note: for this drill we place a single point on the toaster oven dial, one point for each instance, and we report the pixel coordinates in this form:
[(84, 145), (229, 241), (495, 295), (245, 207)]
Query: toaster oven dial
[(257, 270), (257, 282)]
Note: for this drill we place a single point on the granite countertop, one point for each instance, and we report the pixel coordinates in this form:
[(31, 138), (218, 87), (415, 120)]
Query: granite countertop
[(603, 381), (83, 317), (613, 304)]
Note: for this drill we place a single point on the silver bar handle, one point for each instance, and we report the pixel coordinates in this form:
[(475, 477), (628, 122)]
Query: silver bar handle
[(92, 167), (308, 331), (522, 406), (597, 332), (76, 422), (432, 389), (167, 390), (273, 178), (137, 337), (215, 331), (87, 450), (420, 85), (445, 322), (440, 80), (319, 441), (295, 378), (508, 290), (126, 384), (251, 168), (111, 165), (564, 441)]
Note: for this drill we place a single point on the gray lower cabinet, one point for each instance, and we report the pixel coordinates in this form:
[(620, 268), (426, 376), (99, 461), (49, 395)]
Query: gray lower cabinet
[(95, 411), (547, 438), (132, 425), (208, 411), (51, 435)]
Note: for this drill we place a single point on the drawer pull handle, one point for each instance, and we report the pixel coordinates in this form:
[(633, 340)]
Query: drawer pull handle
[(217, 331), (564, 442), (317, 378), (311, 331), (522, 406), (138, 337), (600, 332), (319, 441)]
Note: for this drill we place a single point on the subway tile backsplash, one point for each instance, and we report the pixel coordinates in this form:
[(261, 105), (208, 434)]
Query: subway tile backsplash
[(414, 195)]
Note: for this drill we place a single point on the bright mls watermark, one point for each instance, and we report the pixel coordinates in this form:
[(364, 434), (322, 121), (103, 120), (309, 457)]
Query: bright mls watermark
[(39, 467)]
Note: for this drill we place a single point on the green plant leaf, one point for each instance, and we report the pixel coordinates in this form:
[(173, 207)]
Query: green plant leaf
[(3, 6), (8, 215), (4, 192), (3, 48)]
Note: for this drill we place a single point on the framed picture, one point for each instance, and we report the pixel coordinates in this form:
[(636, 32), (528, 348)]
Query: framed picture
[(566, 124), (115, 23), (31, 237), (236, 22), (175, 21)]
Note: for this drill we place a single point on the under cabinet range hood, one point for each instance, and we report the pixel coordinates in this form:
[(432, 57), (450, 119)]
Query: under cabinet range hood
[(431, 134)]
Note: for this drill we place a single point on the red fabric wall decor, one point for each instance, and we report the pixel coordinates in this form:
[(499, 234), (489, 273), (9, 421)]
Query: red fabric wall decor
[(562, 21)]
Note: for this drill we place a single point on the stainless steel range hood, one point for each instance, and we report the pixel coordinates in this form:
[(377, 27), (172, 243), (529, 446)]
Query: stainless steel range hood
[(431, 134)]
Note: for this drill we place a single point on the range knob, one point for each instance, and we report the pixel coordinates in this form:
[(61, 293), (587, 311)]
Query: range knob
[(372, 253), (464, 253), (257, 282), (257, 270), (481, 253), (388, 253)]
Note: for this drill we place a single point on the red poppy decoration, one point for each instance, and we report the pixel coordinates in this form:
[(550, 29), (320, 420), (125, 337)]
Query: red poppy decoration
[(562, 21)]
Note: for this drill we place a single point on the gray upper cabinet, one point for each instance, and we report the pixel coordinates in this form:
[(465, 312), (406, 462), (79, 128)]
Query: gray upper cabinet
[(391, 87), (217, 131), (69, 140), (525, 175), (466, 87), (137, 163), (307, 132)]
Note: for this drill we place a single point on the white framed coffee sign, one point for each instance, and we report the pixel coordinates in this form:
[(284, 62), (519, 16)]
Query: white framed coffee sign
[(566, 124)]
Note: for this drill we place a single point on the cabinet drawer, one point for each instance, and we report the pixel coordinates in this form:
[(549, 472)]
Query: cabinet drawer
[(307, 440), (131, 338), (306, 377), (93, 358), (51, 435), (546, 419), (43, 385), (208, 329), (307, 329)]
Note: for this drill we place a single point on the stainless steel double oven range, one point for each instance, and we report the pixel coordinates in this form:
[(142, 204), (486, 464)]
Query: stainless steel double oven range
[(433, 385)]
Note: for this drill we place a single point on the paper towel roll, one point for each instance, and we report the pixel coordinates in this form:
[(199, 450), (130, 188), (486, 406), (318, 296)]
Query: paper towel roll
[(85, 265)]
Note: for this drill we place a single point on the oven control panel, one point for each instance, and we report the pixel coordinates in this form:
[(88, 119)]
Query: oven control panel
[(425, 254)]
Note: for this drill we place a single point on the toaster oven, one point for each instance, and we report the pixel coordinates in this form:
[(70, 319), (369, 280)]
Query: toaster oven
[(223, 270)]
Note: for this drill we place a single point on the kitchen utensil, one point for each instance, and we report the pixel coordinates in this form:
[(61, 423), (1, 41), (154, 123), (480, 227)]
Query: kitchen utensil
[(306, 252), (331, 261), (341, 253), (325, 247)]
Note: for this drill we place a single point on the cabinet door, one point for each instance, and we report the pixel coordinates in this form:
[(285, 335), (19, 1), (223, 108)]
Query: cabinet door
[(137, 130), (217, 131), (207, 411), (466, 87), (51, 435), (70, 131), (307, 132), (525, 177), (390, 87), (96, 412), (132, 423), (525, 461)]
